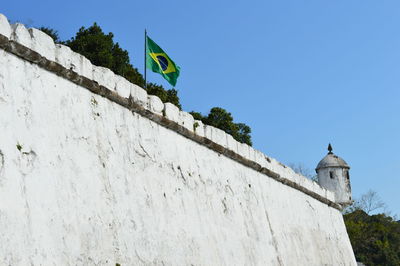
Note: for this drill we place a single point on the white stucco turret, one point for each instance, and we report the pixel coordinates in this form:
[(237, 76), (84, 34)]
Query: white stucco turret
[(333, 174)]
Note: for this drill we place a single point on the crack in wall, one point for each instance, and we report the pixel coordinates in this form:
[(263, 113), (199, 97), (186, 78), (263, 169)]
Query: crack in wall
[(274, 241), (309, 204), (1, 166), (1, 161), (145, 153)]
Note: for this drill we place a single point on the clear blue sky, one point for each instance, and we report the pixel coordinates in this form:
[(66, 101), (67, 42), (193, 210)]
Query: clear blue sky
[(300, 73)]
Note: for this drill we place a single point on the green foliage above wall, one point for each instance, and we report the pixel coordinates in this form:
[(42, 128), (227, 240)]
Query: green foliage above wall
[(375, 238), (101, 50), (220, 118)]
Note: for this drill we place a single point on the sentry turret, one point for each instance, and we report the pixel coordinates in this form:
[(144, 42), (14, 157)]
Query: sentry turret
[(333, 174)]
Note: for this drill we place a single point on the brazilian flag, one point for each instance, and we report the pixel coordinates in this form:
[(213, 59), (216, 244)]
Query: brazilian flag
[(158, 61)]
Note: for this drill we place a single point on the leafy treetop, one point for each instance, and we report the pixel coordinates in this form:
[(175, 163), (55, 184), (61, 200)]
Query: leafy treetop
[(52, 33), (220, 118), (375, 238), (101, 50)]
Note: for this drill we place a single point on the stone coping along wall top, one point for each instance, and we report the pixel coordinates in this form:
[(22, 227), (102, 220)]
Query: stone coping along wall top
[(37, 47)]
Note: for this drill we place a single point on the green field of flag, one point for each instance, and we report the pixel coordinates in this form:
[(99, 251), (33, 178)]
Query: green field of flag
[(158, 61)]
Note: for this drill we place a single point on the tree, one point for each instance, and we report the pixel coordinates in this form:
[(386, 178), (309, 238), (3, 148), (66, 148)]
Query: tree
[(170, 96), (52, 33), (303, 170), (243, 134), (101, 50), (222, 119), (375, 238), (368, 202)]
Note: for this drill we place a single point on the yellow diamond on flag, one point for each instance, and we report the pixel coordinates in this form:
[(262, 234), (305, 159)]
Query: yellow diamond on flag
[(164, 62)]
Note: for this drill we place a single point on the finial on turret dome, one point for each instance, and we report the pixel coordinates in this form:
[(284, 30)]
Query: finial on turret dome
[(330, 149)]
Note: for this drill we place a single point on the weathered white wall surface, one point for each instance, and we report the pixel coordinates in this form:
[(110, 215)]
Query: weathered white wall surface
[(340, 184), (84, 181)]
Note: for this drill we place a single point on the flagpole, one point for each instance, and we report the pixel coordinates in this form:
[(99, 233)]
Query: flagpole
[(145, 58)]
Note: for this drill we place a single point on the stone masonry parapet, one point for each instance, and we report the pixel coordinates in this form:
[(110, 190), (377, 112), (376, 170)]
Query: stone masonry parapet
[(37, 47)]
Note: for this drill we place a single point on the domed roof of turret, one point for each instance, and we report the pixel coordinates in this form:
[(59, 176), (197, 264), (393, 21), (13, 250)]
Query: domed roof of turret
[(332, 160)]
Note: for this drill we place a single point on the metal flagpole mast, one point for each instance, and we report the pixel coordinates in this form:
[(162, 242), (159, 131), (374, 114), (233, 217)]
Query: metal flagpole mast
[(145, 58)]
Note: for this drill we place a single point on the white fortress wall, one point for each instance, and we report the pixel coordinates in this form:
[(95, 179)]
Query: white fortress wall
[(95, 171)]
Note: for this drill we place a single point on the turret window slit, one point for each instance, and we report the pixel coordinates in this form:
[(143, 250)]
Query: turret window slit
[(331, 174)]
